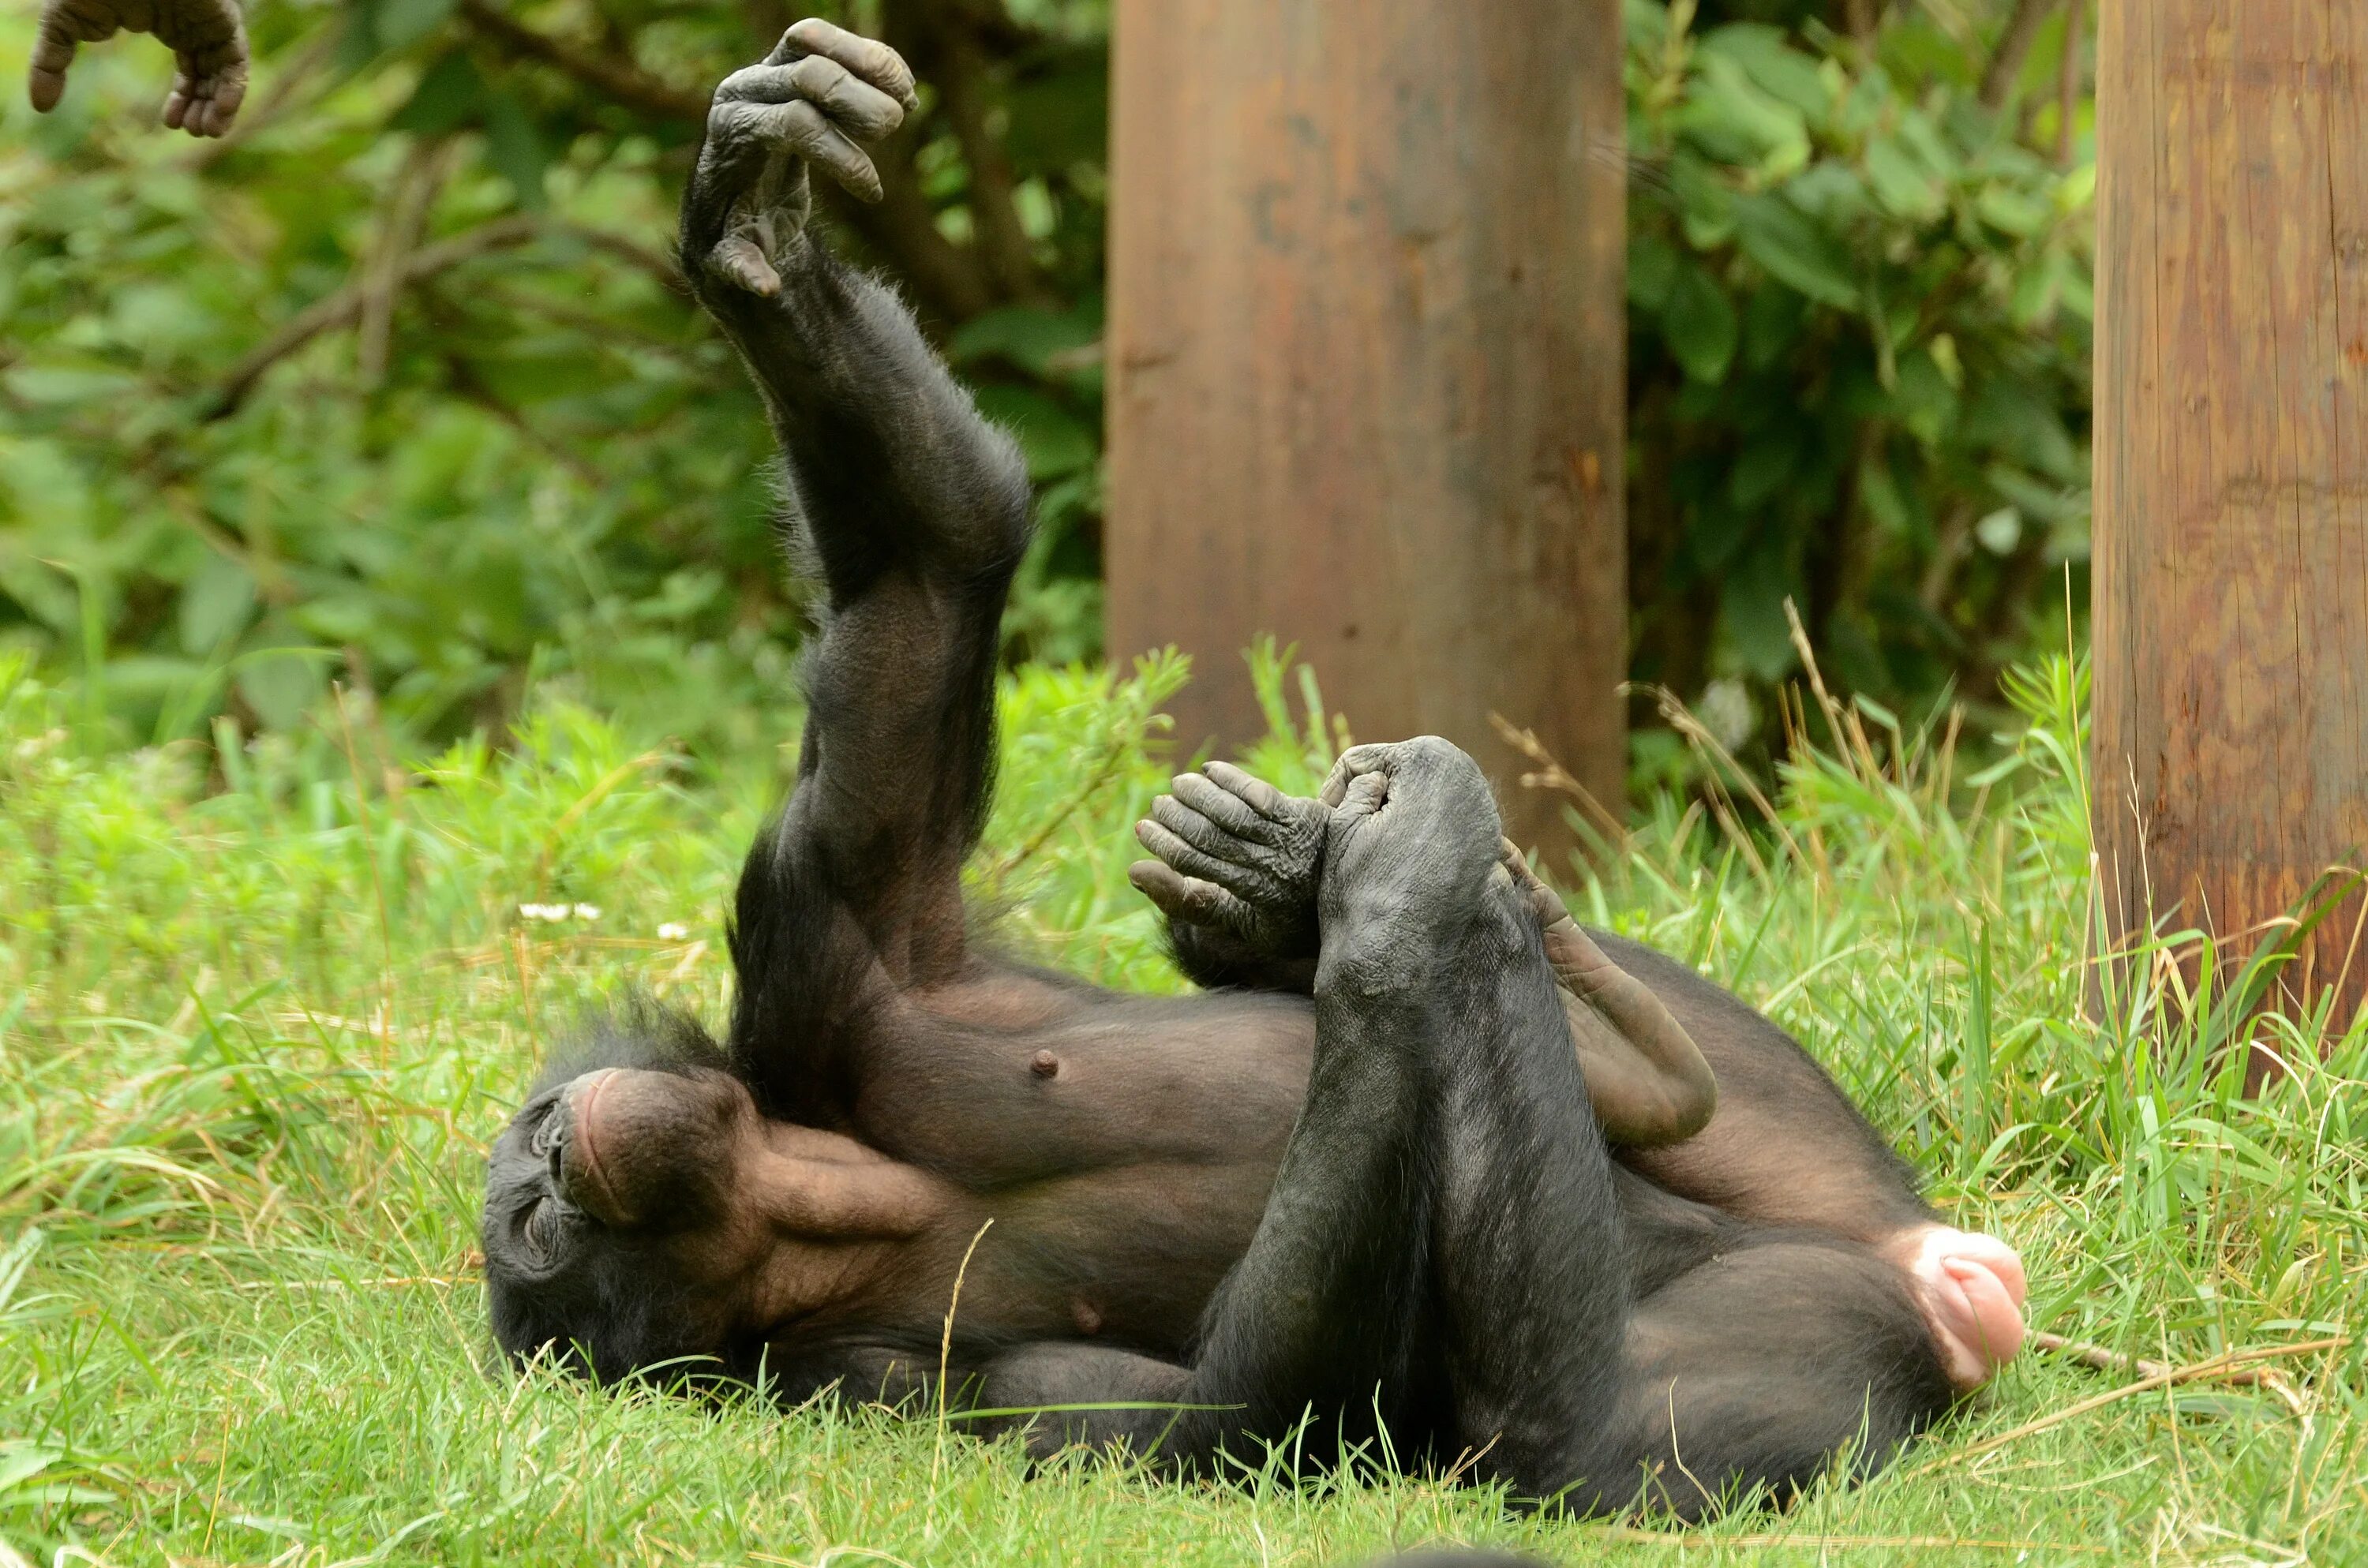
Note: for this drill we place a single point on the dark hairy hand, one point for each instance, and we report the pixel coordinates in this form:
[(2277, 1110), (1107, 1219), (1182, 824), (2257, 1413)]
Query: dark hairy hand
[(818, 98), (1235, 856), (207, 37)]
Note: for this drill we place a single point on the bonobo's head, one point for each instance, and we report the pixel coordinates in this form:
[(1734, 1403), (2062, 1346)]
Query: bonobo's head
[(612, 1235)]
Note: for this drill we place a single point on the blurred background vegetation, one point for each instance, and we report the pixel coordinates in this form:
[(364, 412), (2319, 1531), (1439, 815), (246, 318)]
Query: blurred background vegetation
[(396, 387)]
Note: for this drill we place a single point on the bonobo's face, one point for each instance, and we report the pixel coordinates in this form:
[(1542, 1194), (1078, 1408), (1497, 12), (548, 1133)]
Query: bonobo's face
[(613, 1231)]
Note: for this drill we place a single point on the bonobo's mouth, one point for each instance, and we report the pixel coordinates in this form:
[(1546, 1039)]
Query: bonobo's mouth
[(584, 1152)]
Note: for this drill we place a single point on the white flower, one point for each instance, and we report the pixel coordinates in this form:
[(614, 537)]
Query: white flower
[(546, 912), (674, 931), (587, 912)]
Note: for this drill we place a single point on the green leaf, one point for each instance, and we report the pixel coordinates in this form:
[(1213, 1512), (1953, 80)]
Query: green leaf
[(402, 23), (281, 684), (1762, 469), (1775, 67), (1794, 250), (1705, 202), (1023, 335), (514, 147), (1055, 442), (1715, 534), (1900, 183), (1061, 118), (450, 93), (2021, 213), (2000, 532), (1730, 119), (1652, 271), (1700, 325), (215, 603), (1752, 609)]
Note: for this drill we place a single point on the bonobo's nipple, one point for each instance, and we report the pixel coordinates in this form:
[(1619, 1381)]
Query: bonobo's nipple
[(1087, 1316), (1043, 1064)]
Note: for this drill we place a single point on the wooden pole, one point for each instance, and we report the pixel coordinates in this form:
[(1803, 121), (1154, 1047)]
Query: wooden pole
[(1366, 357), (2231, 562)]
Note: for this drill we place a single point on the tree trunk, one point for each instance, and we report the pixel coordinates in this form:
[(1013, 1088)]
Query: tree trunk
[(2231, 566), (1366, 362)]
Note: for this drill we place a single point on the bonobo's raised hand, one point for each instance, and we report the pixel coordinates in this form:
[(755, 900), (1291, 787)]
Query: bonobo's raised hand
[(818, 98), (208, 42), (1236, 856)]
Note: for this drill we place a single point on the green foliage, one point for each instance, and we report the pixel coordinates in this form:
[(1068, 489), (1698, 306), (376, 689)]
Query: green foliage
[(256, 1032), (1858, 343), (506, 452), (398, 387)]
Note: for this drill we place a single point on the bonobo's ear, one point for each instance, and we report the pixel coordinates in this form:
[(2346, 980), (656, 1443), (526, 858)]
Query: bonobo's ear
[(1645, 1077)]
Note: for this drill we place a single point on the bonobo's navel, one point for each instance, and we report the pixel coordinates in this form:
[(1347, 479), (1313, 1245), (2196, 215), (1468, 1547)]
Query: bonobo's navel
[(1044, 1064)]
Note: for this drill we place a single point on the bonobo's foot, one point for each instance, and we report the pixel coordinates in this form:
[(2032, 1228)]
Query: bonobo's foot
[(821, 95), (1645, 1078), (1971, 1288), (1412, 838), (1238, 857)]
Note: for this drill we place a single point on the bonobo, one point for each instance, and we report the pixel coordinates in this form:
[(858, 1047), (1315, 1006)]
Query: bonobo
[(207, 37), (1366, 1178)]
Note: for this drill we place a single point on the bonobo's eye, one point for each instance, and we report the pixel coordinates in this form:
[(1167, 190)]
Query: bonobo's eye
[(539, 1229), (548, 1141)]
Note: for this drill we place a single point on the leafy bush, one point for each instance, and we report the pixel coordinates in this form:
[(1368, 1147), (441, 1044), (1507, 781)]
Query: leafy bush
[(397, 386), (1859, 356)]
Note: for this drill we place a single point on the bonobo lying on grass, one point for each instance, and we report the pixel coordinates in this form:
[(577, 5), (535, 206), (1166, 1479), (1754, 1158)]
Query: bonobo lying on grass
[(1360, 1183)]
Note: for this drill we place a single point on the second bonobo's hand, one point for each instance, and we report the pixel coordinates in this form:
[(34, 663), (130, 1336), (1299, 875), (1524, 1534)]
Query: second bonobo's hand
[(207, 37), (1238, 856), (1645, 1077), (818, 98)]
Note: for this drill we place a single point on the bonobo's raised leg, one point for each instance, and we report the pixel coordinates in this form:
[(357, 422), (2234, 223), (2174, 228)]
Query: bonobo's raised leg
[(1444, 1246), (1236, 874), (1441, 1247)]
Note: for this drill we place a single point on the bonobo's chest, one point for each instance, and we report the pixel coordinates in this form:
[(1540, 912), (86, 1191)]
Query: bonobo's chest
[(1122, 1148), (1020, 1079)]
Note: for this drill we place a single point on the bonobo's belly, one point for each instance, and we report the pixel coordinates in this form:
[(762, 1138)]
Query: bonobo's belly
[(1123, 1146)]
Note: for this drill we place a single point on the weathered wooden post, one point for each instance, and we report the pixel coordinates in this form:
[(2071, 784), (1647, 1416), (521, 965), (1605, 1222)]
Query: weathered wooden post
[(2231, 565), (1366, 365)]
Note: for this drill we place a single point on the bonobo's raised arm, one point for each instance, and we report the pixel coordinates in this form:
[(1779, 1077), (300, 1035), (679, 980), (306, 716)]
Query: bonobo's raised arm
[(916, 511)]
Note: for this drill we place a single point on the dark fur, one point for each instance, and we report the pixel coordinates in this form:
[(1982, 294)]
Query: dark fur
[(1381, 1176)]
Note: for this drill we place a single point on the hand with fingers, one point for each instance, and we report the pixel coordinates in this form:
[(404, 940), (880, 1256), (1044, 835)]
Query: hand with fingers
[(819, 98), (207, 37), (1235, 856)]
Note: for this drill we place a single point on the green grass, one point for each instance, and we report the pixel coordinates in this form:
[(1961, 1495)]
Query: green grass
[(259, 1016)]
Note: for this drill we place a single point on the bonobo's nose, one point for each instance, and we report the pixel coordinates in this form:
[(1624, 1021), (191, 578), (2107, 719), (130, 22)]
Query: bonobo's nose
[(575, 1165)]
